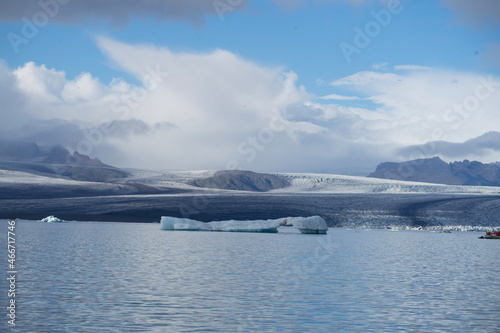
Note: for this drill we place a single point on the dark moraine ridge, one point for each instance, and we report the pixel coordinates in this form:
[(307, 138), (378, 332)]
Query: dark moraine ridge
[(241, 181), (78, 189)]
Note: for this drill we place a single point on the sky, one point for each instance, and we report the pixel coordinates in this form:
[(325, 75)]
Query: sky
[(334, 86)]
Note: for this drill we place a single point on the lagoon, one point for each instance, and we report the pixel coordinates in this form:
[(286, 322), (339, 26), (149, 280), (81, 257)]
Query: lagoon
[(134, 277)]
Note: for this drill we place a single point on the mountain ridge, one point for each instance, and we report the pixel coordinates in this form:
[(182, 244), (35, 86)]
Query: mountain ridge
[(435, 170), (55, 161)]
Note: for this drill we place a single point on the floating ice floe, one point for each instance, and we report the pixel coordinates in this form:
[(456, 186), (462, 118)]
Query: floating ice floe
[(52, 219), (306, 225)]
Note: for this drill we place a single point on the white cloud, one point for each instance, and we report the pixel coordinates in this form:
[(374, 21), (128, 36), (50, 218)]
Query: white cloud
[(422, 106), (202, 110), (40, 83), (193, 111), (366, 78), (382, 65), (83, 88), (486, 145), (340, 97)]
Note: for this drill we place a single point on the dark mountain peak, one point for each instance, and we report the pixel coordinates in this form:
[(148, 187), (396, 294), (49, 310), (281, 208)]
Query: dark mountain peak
[(84, 160), (433, 161), (57, 155), (33, 153), (55, 161), (435, 170)]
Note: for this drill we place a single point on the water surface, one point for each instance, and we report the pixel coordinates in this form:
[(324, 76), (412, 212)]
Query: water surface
[(121, 277)]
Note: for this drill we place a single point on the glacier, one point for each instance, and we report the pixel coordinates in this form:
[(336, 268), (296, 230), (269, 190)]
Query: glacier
[(347, 201), (306, 183), (306, 225)]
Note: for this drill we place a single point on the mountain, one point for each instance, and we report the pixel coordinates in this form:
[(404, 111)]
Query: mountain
[(435, 170), (33, 153), (55, 161), (241, 181)]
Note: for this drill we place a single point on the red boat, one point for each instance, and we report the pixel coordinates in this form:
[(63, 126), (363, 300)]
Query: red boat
[(491, 235)]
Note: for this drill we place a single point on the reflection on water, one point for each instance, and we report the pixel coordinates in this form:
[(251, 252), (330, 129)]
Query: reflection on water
[(116, 277)]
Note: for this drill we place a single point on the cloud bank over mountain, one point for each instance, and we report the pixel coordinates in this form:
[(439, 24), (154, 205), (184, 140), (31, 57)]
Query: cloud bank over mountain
[(476, 148), (218, 110)]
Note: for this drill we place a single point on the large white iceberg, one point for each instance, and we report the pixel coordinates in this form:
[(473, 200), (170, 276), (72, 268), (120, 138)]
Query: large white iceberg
[(307, 225), (174, 223)]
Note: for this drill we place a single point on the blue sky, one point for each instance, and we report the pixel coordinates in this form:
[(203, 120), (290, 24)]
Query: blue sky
[(393, 92)]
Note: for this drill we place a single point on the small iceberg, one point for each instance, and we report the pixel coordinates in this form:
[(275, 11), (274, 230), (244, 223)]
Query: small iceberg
[(306, 225), (52, 219)]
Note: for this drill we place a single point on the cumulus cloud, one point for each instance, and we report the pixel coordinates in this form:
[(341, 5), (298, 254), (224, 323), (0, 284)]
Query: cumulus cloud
[(476, 148), (215, 102), (192, 111), (118, 11), (461, 105), (426, 105), (217, 110)]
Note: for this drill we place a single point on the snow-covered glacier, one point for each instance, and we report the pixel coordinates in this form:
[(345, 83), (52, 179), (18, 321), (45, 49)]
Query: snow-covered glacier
[(346, 201), (307, 225)]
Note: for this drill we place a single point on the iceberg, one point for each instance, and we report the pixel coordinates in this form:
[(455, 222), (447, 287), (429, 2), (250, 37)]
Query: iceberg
[(306, 225), (174, 223), (52, 219), (269, 226)]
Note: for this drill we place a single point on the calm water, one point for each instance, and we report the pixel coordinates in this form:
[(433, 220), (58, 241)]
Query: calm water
[(117, 277)]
